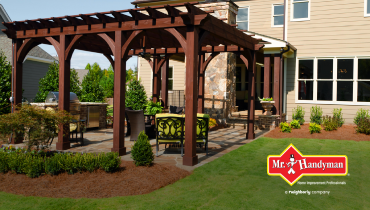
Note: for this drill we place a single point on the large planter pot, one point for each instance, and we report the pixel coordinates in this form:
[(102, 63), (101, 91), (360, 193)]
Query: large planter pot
[(267, 105)]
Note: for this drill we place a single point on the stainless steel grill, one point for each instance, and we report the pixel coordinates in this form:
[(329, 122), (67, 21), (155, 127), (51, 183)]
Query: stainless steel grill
[(74, 106)]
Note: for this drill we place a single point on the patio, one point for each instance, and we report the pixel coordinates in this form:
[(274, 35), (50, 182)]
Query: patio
[(221, 142)]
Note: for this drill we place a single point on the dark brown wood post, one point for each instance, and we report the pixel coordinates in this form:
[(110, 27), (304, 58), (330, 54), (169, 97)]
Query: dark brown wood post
[(64, 88), (119, 96), (281, 83), (251, 94), (190, 158), (156, 79), (201, 83), (277, 82), (165, 72), (267, 76), (17, 85)]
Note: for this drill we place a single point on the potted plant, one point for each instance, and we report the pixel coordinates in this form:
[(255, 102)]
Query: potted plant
[(267, 104)]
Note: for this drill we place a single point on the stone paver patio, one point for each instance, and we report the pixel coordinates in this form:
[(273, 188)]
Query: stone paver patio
[(221, 142)]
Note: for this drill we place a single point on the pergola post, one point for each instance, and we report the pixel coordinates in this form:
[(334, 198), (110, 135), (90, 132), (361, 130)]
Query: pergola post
[(119, 96), (251, 95), (277, 81), (267, 76), (201, 83), (190, 158), (17, 85), (164, 91), (64, 96), (156, 79)]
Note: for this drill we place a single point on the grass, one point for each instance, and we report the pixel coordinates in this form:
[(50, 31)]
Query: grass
[(239, 180)]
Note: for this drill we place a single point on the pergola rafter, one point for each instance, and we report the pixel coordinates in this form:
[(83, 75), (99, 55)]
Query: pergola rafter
[(121, 34)]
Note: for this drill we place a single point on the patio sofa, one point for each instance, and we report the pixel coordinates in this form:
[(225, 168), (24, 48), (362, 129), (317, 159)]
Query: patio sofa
[(170, 129)]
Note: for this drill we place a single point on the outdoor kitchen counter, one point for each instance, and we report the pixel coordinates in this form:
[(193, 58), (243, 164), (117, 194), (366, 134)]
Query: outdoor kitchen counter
[(84, 111)]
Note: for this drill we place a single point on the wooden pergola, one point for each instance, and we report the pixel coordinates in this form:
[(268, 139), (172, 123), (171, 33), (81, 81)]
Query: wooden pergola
[(121, 34)]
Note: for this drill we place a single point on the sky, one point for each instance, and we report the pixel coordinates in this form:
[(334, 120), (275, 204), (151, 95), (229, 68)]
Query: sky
[(19, 10)]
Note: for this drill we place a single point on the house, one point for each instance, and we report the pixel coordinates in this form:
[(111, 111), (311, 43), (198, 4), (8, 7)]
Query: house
[(35, 65), (317, 54)]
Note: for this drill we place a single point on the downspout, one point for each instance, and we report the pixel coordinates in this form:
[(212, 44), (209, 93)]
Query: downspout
[(284, 25), (282, 51), (11, 99)]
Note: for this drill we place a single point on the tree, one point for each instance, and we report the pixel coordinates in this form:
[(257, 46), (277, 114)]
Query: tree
[(135, 95), (91, 89), (5, 84), (107, 83), (130, 74), (51, 83)]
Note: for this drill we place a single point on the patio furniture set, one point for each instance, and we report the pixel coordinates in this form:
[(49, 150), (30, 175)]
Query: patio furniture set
[(166, 128)]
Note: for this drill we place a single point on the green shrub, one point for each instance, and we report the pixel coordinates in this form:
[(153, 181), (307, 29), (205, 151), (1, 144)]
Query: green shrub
[(316, 115), (33, 166), (52, 165), (265, 99), (338, 116), (4, 167), (298, 114), (5, 84), (285, 127), (295, 124), (153, 108), (141, 151), (15, 162), (91, 162), (314, 128), (361, 114), (330, 123), (363, 126), (135, 95), (110, 161)]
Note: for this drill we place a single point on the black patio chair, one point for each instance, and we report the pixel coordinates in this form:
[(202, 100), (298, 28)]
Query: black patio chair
[(176, 110)]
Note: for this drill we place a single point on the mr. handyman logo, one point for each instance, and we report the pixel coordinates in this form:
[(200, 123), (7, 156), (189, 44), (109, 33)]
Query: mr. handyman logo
[(291, 165)]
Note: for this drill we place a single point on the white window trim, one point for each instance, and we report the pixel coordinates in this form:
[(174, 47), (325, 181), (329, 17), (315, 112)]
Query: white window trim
[(249, 11), (273, 15), (365, 8), (292, 11), (335, 80)]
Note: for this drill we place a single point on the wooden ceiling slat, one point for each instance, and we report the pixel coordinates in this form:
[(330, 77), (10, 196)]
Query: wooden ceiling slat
[(155, 13), (138, 15), (121, 17)]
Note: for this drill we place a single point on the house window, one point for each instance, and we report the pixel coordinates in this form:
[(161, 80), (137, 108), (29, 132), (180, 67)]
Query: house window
[(277, 15), (301, 10), (334, 80), (305, 80), (363, 83), (367, 8), (242, 19), (325, 79), (170, 78)]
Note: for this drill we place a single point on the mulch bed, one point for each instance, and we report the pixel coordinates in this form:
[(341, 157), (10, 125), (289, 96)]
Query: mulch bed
[(130, 180), (346, 132)]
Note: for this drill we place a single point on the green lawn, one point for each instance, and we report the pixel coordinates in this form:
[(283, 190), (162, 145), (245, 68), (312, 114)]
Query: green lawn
[(239, 180)]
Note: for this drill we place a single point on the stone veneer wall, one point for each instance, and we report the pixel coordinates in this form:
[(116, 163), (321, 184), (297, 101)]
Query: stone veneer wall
[(220, 74)]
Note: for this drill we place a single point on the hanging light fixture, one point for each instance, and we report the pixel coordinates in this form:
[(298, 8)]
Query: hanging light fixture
[(144, 54)]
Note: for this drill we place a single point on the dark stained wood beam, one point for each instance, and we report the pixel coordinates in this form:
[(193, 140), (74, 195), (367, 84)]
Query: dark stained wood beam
[(154, 14), (121, 17), (136, 15)]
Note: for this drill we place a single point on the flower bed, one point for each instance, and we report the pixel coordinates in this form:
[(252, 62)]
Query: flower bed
[(36, 163)]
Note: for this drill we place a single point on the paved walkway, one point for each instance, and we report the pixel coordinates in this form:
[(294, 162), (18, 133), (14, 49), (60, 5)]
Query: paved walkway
[(221, 142)]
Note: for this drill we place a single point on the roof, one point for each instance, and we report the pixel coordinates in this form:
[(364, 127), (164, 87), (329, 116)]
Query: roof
[(4, 14), (35, 53)]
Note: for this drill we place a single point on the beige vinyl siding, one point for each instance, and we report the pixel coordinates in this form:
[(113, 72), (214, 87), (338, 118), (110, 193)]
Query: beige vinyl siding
[(349, 111), (260, 16), (335, 28), (145, 73)]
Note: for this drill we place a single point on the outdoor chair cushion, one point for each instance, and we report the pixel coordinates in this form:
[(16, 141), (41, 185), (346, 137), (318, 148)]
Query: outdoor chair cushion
[(169, 127)]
